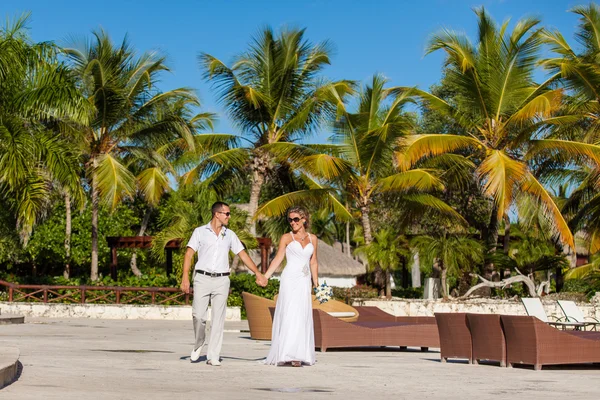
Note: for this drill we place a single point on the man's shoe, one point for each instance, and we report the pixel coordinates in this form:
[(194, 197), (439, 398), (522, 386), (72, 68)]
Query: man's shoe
[(195, 356), (214, 363)]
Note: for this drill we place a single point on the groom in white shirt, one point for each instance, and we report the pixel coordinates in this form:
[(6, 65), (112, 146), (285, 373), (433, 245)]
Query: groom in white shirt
[(211, 278)]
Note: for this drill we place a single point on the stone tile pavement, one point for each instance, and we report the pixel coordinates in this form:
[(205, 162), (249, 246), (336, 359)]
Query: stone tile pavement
[(143, 359)]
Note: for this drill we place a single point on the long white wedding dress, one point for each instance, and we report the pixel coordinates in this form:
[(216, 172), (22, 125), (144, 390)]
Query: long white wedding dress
[(293, 337)]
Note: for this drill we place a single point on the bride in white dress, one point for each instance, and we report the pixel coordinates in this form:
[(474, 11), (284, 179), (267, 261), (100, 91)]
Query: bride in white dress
[(293, 339)]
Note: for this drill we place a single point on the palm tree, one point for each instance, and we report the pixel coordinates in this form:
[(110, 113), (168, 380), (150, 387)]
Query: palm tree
[(359, 164), (36, 91), (386, 252), (153, 172), (452, 253), (502, 113), (580, 74), (273, 94), (132, 121)]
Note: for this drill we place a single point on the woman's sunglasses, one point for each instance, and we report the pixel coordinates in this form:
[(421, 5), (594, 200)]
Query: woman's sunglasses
[(295, 219)]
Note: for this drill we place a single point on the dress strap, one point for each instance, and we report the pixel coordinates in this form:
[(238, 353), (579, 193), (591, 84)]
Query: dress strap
[(309, 238), (293, 238)]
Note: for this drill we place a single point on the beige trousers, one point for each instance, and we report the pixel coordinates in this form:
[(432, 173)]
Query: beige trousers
[(215, 290)]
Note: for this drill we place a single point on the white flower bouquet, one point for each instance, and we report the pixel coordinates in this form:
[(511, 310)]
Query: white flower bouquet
[(323, 293)]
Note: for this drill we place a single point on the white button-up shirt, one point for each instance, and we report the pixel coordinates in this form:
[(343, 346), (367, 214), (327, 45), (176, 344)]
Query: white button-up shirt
[(213, 250)]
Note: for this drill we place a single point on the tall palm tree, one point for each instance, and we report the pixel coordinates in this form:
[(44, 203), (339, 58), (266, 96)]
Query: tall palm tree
[(132, 120), (273, 94), (502, 111), (36, 91), (154, 172), (360, 162), (580, 74)]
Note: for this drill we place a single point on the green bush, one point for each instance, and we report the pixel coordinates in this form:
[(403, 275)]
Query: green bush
[(408, 293), (348, 295), (576, 285), (247, 283)]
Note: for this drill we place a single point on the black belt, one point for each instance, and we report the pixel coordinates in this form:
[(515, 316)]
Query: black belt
[(213, 274)]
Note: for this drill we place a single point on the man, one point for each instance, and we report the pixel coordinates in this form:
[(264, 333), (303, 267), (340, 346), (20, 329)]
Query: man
[(211, 279)]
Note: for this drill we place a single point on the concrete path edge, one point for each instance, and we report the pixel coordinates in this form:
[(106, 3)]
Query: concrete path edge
[(9, 365)]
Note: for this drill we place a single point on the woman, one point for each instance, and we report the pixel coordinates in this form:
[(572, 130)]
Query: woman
[(293, 339)]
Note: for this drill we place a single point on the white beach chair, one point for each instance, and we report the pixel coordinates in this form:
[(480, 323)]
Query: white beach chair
[(573, 314)]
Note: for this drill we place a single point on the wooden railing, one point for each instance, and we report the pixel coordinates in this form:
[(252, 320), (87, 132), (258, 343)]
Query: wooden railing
[(95, 294)]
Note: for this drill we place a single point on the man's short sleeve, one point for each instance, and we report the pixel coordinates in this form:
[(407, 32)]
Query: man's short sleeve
[(194, 242), (236, 244)]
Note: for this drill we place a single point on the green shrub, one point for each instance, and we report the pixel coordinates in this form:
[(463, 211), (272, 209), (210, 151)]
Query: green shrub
[(247, 283), (348, 295), (408, 293), (576, 285)]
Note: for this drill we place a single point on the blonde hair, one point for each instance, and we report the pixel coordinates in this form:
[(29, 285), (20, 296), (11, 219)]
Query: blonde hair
[(302, 212)]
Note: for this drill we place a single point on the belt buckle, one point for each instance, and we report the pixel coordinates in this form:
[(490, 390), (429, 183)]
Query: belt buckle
[(213, 275)]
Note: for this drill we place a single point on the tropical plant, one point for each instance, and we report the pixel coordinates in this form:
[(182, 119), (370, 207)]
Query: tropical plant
[(359, 164), (579, 73), (133, 121), (453, 254), (386, 251), (502, 112), (36, 91), (273, 94)]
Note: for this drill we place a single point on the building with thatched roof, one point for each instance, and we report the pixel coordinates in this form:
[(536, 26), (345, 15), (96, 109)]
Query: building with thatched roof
[(335, 267)]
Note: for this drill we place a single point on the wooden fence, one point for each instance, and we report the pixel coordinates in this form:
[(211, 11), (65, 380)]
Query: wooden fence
[(95, 294)]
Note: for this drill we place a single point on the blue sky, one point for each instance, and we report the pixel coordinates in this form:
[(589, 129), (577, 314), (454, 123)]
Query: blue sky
[(385, 36)]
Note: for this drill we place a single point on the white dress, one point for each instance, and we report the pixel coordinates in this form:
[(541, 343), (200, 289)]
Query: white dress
[(293, 337)]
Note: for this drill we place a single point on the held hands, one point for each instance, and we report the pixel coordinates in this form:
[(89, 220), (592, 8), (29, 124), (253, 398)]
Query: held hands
[(261, 280)]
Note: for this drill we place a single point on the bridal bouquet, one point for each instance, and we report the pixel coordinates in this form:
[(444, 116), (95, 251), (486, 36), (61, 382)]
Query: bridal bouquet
[(323, 292)]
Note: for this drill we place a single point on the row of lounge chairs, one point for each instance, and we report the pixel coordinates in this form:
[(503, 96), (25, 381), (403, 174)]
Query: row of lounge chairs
[(507, 339), (513, 339), (336, 328)]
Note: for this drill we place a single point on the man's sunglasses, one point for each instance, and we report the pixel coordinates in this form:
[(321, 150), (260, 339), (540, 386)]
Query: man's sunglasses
[(295, 219), (226, 213)]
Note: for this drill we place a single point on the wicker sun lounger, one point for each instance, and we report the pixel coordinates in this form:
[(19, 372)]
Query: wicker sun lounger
[(531, 341), (455, 337), (259, 317), (330, 332), (335, 308), (488, 342), (375, 314)]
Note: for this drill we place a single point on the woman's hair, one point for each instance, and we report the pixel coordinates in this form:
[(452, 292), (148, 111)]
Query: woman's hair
[(303, 213)]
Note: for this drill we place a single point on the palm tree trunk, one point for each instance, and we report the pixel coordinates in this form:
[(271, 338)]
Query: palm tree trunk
[(388, 285), (506, 241), (68, 228), (258, 178), (444, 282), (348, 251), (95, 200), (416, 271), (379, 279), (366, 224), (133, 262), (491, 239)]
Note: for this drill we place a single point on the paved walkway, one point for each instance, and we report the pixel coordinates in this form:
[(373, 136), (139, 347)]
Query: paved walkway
[(134, 359)]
